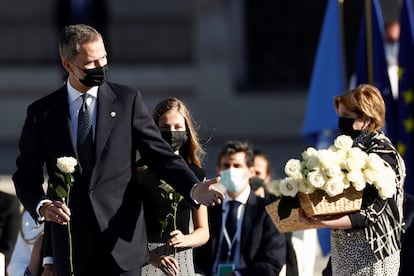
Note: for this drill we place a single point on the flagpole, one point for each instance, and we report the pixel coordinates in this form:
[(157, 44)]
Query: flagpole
[(368, 24), (342, 42)]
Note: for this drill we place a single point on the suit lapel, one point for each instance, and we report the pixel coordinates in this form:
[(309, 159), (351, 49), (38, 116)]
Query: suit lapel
[(60, 126), (249, 214), (106, 113), (216, 216)]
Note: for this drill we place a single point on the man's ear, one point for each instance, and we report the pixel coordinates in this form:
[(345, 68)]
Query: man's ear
[(252, 171), (66, 65)]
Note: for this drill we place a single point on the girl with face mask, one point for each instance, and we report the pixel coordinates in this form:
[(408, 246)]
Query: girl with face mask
[(176, 127), (367, 242)]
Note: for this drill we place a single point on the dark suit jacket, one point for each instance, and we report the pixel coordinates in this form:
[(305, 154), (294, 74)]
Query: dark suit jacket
[(9, 223), (111, 196), (262, 246)]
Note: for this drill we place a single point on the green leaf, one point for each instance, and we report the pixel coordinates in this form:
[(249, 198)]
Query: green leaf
[(61, 191), (164, 224), (60, 176), (286, 205)]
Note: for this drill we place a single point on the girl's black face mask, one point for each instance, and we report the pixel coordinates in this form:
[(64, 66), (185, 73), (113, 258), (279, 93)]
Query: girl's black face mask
[(176, 139), (345, 125)]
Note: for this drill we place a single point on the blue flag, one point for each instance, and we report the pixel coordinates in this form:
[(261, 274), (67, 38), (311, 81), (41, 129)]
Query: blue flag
[(328, 77), (371, 63), (406, 93), (328, 80)]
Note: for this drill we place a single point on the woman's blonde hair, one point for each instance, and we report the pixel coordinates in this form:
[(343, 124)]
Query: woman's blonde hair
[(366, 101), (191, 151)]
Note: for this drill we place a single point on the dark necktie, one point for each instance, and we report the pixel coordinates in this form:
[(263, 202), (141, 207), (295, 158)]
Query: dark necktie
[(231, 228), (85, 139), (231, 220)]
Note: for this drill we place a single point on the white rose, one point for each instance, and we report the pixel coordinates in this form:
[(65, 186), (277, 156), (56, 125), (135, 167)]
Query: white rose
[(327, 157), (312, 162), (316, 178), (375, 161), (309, 152), (332, 170), (293, 167), (341, 156), (386, 177), (305, 188), (343, 142), (387, 191), (371, 175), (274, 187), (357, 179), (334, 186), (289, 186), (66, 164), (356, 159)]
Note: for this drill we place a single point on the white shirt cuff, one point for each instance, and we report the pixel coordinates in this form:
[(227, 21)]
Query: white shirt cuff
[(191, 194), (41, 203), (48, 261)]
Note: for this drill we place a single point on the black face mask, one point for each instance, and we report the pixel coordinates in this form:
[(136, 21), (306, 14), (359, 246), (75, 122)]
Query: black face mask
[(345, 125), (176, 139), (95, 76)]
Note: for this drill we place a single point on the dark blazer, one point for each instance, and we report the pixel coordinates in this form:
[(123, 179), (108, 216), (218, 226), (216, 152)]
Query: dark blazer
[(262, 246), (9, 223), (110, 198)]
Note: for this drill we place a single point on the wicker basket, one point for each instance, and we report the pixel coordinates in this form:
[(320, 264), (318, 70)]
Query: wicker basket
[(319, 203), (290, 224)]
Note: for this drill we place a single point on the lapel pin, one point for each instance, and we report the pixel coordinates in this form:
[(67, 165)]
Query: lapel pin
[(113, 114)]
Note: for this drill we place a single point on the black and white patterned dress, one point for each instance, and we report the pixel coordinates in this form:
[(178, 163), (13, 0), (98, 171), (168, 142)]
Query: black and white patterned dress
[(372, 246), (156, 208)]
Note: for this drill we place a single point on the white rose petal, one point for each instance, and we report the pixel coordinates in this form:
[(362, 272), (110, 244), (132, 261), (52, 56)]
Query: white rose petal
[(326, 157), (387, 191), (305, 188), (374, 161), (293, 167), (357, 179), (274, 187), (66, 164), (312, 162), (316, 179), (371, 175), (332, 170), (309, 152), (343, 142), (334, 186), (356, 159), (289, 187)]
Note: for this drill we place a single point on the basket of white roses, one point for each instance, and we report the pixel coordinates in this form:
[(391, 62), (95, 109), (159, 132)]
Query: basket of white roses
[(331, 181)]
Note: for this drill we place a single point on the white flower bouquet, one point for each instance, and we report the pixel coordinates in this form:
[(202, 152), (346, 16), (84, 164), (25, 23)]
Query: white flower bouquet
[(333, 174)]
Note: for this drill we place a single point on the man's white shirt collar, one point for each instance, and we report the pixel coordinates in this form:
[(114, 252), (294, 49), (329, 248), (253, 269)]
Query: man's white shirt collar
[(242, 198), (74, 94)]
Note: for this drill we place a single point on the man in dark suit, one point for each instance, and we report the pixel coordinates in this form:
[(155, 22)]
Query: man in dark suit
[(251, 245), (105, 213)]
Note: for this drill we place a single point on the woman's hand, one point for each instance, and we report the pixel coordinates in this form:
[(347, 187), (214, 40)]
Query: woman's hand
[(177, 239), (332, 221), (167, 264)]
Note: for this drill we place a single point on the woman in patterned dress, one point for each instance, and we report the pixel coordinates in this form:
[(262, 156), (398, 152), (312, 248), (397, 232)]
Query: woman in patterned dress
[(367, 242), (170, 246)]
